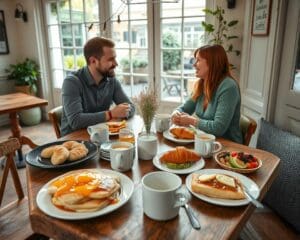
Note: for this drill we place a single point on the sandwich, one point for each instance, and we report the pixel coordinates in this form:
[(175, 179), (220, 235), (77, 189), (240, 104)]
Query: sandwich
[(114, 127), (218, 186), (182, 133), (179, 158), (84, 191)]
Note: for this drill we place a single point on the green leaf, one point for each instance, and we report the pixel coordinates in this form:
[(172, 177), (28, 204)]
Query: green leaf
[(231, 37), (232, 23), (230, 47), (208, 11), (238, 53)]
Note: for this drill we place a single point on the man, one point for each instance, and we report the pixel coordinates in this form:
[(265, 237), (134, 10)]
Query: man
[(88, 93)]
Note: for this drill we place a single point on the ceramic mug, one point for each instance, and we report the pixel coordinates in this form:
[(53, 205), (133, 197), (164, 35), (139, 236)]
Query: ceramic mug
[(206, 145), (162, 189), (121, 156), (99, 133), (147, 146), (162, 122)]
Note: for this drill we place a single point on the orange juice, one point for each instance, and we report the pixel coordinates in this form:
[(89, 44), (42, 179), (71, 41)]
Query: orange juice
[(126, 135)]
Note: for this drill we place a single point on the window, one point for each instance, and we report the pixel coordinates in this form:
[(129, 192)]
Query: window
[(67, 27), (135, 28)]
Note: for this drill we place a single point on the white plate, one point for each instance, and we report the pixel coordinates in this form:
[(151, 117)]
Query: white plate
[(43, 198), (196, 166), (252, 187), (171, 137)]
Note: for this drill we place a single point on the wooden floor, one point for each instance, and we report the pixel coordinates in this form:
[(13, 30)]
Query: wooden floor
[(15, 223)]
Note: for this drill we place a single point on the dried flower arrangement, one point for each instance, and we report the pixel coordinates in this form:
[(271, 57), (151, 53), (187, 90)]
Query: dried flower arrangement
[(147, 105)]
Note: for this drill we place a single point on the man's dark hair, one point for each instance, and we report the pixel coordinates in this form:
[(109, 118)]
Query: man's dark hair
[(94, 47)]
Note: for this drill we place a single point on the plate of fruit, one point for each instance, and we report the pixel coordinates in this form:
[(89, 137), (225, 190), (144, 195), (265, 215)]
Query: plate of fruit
[(240, 162)]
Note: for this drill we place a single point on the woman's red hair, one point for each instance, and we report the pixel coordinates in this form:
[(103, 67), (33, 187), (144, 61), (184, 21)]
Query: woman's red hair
[(218, 69)]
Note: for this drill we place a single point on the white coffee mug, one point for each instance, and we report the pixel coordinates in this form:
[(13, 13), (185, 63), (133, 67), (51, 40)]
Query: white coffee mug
[(98, 133), (162, 122), (147, 146), (160, 195), (206, 145), (121, 156)]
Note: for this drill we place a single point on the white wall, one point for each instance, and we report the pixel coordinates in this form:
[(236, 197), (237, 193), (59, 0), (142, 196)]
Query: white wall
[(258, 74), (23, 43)]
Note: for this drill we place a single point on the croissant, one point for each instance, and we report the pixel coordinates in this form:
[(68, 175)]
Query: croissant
[(180, 155), (182, 133)]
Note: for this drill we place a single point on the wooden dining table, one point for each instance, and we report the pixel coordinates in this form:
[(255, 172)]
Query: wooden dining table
[(13, 103), (129, 221)]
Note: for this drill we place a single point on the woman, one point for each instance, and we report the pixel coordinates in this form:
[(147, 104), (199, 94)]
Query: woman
[(216, 99)]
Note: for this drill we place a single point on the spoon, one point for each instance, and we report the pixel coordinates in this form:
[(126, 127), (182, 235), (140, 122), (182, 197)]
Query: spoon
[(193, 219)]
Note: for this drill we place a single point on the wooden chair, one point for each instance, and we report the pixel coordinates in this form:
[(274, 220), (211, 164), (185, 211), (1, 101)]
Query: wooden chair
[(55, 118), (8, 149), (170, 85), (248, 127)]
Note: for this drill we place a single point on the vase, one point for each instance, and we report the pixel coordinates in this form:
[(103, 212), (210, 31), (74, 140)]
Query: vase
[(147, 145)]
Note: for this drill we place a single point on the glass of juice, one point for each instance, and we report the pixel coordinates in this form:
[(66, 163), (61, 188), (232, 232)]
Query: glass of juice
[(126, 135)]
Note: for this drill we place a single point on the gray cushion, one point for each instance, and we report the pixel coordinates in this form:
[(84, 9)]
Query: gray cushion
[(284, 194)]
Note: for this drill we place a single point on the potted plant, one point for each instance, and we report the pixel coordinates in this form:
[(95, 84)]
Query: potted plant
[(147, 105), (139, 65), (220, 32), (26, 75)]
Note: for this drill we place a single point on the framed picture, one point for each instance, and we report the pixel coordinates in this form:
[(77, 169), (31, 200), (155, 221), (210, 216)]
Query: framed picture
[(3, 36), (261, 17)]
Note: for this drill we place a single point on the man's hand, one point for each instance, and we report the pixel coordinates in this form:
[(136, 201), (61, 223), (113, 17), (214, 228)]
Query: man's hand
[(121, 110)]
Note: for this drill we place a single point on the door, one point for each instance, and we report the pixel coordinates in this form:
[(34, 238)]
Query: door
[(287, 112)]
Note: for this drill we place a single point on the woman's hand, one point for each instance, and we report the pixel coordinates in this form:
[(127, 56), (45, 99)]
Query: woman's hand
[(175, 117), (183, 119)]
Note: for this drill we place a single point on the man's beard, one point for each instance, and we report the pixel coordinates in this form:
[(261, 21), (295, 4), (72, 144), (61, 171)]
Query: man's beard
[(109, 73)]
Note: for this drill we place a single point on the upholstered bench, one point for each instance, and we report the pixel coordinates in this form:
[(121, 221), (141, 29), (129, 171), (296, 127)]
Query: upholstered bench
[(281, 218)]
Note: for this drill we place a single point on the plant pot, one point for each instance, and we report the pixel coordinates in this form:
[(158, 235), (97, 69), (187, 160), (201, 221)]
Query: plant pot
[(23, 89), (30, 117), (147, 145)]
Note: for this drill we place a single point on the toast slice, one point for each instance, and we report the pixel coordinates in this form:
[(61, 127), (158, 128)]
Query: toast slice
[(218, 186)]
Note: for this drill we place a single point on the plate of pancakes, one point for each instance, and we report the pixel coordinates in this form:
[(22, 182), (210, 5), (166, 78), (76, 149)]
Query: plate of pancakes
[(84, 194), (115, 126), (61, 154)]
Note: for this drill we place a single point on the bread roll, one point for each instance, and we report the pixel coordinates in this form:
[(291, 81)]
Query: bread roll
[(218, 186), (60, 155), (70, 144), (47, 152), (78, 152)]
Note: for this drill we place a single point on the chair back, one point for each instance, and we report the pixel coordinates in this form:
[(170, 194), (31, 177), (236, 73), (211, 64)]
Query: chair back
[(8, 149), (55, 115), (248, 127)]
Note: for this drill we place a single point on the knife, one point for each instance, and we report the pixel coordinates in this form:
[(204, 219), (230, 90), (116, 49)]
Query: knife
[(252, 199)]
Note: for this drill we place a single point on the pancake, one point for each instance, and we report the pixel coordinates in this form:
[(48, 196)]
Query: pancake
[(84, 191)]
